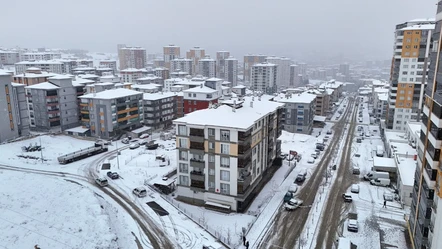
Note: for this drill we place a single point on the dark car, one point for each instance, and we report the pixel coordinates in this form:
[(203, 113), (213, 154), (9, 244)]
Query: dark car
[(113, 175), (300, 178), (288, 196)]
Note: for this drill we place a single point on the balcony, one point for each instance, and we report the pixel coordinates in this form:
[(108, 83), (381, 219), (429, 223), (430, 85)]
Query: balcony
[(244, 162), (197, 146), (244, 136), (53, 119), (54, 111), (197, 176), (244, 182), (197, 185), (244, 149), (52, 103), (196, 163), (196, 132)]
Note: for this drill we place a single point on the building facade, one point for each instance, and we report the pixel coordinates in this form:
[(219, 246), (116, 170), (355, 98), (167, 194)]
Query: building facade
[(299, 112), (221, 57), (9, 57), (199, 98), (130, 75), (132, 57), (159, 110), (231, 70), (220, 161), (182, 65), (283, 75), (170, 53), (40, 56), (264, 77), (249, 61), (195, 54), (207, 67), (8, 110), (408, 72), (21, 109), (112, 64)]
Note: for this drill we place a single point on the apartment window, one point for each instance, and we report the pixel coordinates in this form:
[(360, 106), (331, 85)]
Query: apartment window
[(225, 162), (184, 168), (211, 185), (406, 60), (183, 155), (225, 175), (182, 130), (225, 135), (225, 149), (184, 180), (211, 158), (399, 116), (211, 132), (182, 142), (405, 66), (189, 95), (190, 109), (194, 95), (211, 172), (413, 66), (401, 91), (404, 72), (225, 188), (408, 40), (407, 53), (413, 60), (211, 145), (411, 79), (404, 79)]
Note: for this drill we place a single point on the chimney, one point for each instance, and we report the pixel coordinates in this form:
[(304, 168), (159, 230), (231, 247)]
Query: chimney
[(233, 109), (251, 104)]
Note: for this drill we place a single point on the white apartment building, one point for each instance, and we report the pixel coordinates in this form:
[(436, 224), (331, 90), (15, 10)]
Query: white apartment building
[(130, 75), (283, 75), (224, 151), (231, 70), (221, 57), (182, 65), (47, 66), (264, 77), (295, 76), (40, 56), (9, 57), (207, 67)]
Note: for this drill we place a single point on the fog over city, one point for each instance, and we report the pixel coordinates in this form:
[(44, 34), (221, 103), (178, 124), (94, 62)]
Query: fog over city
[(322, 29)]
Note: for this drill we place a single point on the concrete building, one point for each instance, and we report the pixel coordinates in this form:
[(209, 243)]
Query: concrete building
[(224, 151), (40, 56), (53, 105), (48, 66), (109, 64), (231, 70), (195, 54), (380, 104), (283, 75), (21, 109), (159, 109), (264, 77), (32, 76), (109, 112), (182, 65), (198, 98), (344, 69), (8, 109), (170, 53), (132, 57), (296, 77), (9, 57), (299, 112), (162, 72), (207, 67), (408, 72), (249, 61), (150, 79), (221, 57), (322, 103), (130, 75)]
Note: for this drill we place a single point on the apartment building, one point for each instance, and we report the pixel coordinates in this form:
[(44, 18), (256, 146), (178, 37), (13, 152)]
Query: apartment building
[(132, 57), (207, 67), (112, 64), (408, 72), (130, 75), (344, 69), (221, 57), (224, 151), (195, 54), (162, 72), (32, 76), (48, 66), (283, 74), (322, 103), (231, 70), (53, 105), (299, 111), (8, 109), (296, 77), (170, 53), (40, 56), (109, 112), (159, 109), (182, 65), (21, 109), (249, 61), (264, 77), (198, 98), (380, 103), (9, 57)]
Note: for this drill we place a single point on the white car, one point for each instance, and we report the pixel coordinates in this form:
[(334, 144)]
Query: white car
[(311, 160), (293, 188), (140, 192), (355, 188), (352, 225), (134, 145), (293, 204), (144, 136)]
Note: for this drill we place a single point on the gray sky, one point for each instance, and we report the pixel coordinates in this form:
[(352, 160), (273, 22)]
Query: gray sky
[(300, 29)]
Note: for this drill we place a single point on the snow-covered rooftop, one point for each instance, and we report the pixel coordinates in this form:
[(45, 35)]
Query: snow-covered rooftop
[(81, 81), (130, 70), (407, 169), (384, 161), (111, 94), (419, 27), (38, 62), (214, 79), (383, 97), (60, 77), (157, 96), (104, 84), (146, 86), (17, 84), (203, 89), (296, 98), (264, 64), (43, 86), (415, 127), (35, 75), (239, 87), (224, 116)]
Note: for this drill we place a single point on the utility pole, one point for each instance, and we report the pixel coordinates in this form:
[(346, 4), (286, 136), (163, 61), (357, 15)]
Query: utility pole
[(41, 151), (118, 153)]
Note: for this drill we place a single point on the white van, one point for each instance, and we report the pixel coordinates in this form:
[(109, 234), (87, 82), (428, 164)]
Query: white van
[(379, 151), (140, 192), (380, 182)]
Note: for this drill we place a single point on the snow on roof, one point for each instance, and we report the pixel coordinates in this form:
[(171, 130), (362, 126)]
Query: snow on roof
[(395, 136), (149, 77), (214, 79), (111, 94), (17, 84), (141, 129), (407, 169), (88, 76), (264, 64), (80, 81), (296, 98), (224, 116), (104, 84), (415, 127), (423, 20), (60, 77), (384, 162), (157, 96), (3, 72), (38, 62), (319, 118), (78, 129), (239, 87), (43, 86), (146, 86), (33, 68), (381, 90), (225, 87), (203, 89), (35, 75), (383, 97), (402, 149), (419, 27), (103, 68), (130, 70)]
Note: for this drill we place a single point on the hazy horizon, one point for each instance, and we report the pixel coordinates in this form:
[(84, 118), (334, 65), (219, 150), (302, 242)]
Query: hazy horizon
[(344, 29)]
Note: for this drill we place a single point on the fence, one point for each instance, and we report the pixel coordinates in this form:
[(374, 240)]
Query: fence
[(135, 156)]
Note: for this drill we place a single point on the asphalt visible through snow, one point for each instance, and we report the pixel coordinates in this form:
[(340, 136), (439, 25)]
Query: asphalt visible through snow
[(288, 226)]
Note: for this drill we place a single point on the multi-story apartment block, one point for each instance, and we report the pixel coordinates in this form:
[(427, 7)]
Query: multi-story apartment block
[(130, 74), (159, 109), (32, 77), (162, 72), (221, 57), (109, 64), (231, 70), (264, 77), (295, 76), (299, 112), (249, 61), (48, 66), (408, 72), (195, 54), (322, 103), (40, 56), (9, 57), (170, 53), (224, 151), (182, 65), (198, 98), (150, 79), (283, 75), (21, 109), (132, 57), (53, 105), (109, 112), (207, 67)]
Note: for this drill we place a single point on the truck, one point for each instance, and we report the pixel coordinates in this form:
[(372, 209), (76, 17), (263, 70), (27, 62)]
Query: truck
[(375, 175), (380, 182), (83, 153)]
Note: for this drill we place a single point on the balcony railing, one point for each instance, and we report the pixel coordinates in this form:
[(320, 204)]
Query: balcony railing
[(197, 163), (196, 145), (197, 176), (244, 162), (196, 132), (244, 149)]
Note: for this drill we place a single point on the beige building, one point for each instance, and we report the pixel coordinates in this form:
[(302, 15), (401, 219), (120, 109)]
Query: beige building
[(249, 61), (170, 52), (195, 54), (132, 57)]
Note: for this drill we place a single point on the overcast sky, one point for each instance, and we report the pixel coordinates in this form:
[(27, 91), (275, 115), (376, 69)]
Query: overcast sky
[(300, 29)]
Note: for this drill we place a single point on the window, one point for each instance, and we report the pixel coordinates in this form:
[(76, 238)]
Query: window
[(183, 155), (194, 95), (225, 175), (211, 185), (225, 162), (225, 188), (401, 91), (184, 168), (225, 135), (411, 79), (399, 116), (211, 145), (211, 132), (405, 66), (189, 95), (407, 53), (413, 66), (184, 180), (406, 60), (404, 79), (211, 172), (404, 72), (211, 158), (225, 149), (182, 143), (182, 130)]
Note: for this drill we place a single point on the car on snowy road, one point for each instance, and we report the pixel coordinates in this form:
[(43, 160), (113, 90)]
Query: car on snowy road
[(112, 175), (347, 197), (102, 182), (311, 160), (352, 225), (355, 188), (140, 192), (293, 204)]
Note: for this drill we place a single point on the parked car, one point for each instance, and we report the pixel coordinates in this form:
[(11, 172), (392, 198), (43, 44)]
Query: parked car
[(125, 140), (143, 141), (288, 196), (301, 176), (311, 160), (380, 182), (352, 225), (293, 204), (314, 155), (140, 192), (142, 136), (318, 152), (320, 147), (347, 197), (113, 175), (356, 170), (134, 145), (329, 132), (358, 140), (293, 188), (298, 157), (102, 182), (355, 188)]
